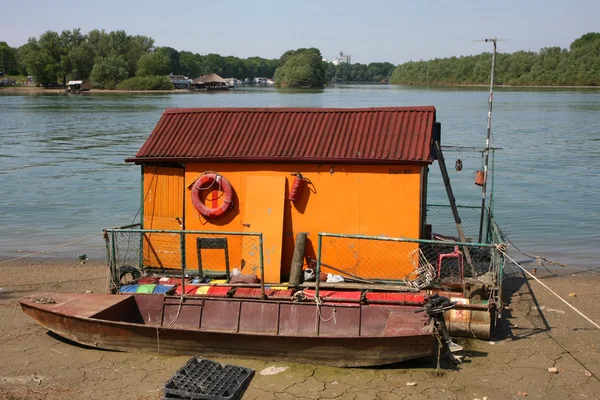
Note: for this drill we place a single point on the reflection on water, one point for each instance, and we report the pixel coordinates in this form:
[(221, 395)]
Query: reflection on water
[(63, 175)]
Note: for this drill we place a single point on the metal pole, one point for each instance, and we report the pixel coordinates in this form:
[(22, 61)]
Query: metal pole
[(318, 267), (491, 207), (263, 295), (461, 234), (116, 281), (183, 261), (487, 141)]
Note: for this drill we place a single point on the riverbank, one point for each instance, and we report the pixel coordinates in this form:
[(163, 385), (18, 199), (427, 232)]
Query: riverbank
[(40, 90), (539, 332), (487, 85)]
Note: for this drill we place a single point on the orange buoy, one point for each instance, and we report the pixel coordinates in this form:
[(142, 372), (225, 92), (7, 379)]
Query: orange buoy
[(479, 178), (206, 182)]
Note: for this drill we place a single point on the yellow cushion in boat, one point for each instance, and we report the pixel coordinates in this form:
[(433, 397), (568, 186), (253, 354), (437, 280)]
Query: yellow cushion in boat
[(202, 290)]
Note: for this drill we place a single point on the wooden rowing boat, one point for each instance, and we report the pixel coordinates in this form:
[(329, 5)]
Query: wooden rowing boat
[(344, 335)]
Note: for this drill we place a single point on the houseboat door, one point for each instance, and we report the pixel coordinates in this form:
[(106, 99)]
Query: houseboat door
[(263, 212), (163, 200)]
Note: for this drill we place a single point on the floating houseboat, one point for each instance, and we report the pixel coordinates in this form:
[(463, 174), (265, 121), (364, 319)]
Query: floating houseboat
[(290, 233)]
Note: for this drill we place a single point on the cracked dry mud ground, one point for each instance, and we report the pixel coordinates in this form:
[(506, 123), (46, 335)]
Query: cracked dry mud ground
[(37, 365)]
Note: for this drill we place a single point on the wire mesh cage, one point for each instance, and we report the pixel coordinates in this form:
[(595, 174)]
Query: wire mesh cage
[(418, 261), (423, 273), (187, 253)]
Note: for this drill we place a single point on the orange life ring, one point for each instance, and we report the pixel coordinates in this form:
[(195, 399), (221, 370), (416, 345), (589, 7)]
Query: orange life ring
[(206, 182)]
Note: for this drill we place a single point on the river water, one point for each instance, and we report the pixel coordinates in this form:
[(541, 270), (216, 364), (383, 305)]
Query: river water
[(63, 176)]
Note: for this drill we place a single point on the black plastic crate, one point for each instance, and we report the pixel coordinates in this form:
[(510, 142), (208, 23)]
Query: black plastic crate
[(205, 379)]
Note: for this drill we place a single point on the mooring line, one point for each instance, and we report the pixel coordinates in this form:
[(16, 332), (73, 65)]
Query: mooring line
[(539, 259), (47, 250), (551, 291)]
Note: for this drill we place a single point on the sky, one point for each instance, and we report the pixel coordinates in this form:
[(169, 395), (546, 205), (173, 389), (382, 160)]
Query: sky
[(376, 30)]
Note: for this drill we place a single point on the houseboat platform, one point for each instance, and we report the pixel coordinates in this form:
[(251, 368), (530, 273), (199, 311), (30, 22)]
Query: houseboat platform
[(291, 233)]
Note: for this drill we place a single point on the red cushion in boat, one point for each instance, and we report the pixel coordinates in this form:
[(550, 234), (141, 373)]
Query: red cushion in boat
[(333, 294), (148, 280), (281, 293), (189, 289), (218, 291), (416, 298), (248, 292)]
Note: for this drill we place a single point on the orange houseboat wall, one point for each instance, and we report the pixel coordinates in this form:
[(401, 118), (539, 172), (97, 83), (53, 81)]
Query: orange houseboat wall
[(348, 199)]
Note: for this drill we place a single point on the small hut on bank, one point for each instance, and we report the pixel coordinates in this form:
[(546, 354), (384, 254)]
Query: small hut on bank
[(78, 86), (210, 82)]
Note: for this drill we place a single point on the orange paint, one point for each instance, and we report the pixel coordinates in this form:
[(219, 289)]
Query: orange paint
[(372, 200), (346, 199), (163, 209)]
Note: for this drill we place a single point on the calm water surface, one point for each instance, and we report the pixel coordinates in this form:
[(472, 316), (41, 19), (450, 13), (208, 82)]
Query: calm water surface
[(63, 176)]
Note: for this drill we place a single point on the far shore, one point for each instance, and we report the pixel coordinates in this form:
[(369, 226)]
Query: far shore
[(39, 90)]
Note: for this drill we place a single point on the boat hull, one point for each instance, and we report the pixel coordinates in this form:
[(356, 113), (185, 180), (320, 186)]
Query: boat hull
[(322, 346)]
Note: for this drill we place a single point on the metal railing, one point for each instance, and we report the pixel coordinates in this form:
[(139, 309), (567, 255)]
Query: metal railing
[(415, 263), (184, 253)]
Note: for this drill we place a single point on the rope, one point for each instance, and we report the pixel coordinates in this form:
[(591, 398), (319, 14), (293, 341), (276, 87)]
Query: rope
[(146, 195), (47, 250), (440, 346), (178, 310), (299, 296), (551, 291), (538, 259), (319, 302), (157, 342)]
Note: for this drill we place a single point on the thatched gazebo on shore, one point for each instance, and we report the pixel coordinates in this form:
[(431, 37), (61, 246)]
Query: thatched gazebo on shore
[(210, 81)]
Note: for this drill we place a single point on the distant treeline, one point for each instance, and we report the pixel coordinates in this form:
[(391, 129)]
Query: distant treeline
[(372, 72), (552, 66), (113, 59), (108, 58), (116, 59)]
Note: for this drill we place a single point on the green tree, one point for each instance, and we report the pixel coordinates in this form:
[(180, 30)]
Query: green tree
[(580, 65), (109, 71), (42, 58), (98, 39), (136, 47), (174, 61), (8, 59), (301, 68), (81, 60), (153, 64), (190, 66), (68, 41)]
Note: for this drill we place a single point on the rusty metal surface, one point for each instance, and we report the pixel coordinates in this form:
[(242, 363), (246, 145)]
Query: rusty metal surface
[(385, 135), (297, 319), (469, 323), (177, 316), (335, 351), (273, 317), (220, 315), (259, 317), (339, 321)]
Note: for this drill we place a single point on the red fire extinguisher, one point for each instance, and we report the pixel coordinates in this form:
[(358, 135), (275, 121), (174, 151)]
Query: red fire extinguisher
[(297, 187)]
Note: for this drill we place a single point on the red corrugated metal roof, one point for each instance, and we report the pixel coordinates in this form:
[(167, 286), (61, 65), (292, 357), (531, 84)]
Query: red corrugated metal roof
[(342, 135)]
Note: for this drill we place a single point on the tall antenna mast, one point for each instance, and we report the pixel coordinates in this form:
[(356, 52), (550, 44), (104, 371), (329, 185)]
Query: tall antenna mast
[(487, 141)]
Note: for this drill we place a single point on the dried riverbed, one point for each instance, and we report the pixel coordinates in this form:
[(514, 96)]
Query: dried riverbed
[(539, 332)]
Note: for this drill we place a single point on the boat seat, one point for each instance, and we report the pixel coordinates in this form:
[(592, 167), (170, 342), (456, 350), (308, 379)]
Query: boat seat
[(212, 244)]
